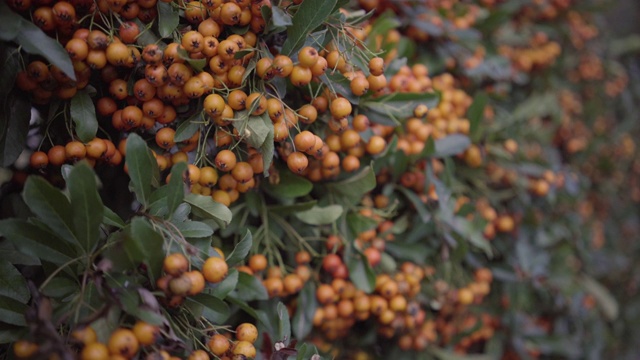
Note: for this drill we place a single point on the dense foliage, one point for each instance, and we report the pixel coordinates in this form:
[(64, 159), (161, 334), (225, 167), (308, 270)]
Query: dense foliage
[(365, 179)]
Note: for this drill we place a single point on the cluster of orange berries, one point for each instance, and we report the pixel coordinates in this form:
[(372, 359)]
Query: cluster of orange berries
[(541, 52), (96, 150), (223, 348), (143, 338), (274, 280), (180, 282)]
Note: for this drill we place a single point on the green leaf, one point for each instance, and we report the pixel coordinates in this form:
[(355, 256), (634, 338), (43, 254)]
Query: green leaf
[(51, 206), (360, 271), (393, 108), (605, 300), (187, 128), (12, 311), (34, 241), (142, 166), (284, 323), (310, 15), (359, 223), (279, 17), (320, 215), (475, 114), (35, 41), (255, 126), (12, 282), (443, 354), (290, 185), (194, 229), (175, 187), (15, 113), (267, 149), (168, 18), (351, 189), (381, 26), (205, 207), (293, 208), (213, 309), (340, 84), (451, 145), (223, 288), (83, 114), (196, 64), (416, 253), (10, 252), (86, 206), (302, 322), (60, 287), (10, 60), (250, 288), (143, 244), (241, 250), (111, 218)]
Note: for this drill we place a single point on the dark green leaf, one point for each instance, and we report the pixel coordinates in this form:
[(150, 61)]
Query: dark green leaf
[(340, 85), (279, 17), (412, 252), (255, 127), (142, 167), (320, 215), (359, 223), (10, 252), (213, 309), (60, 287), (241, 250), (223, 288), (12, 283), (34, 241), (267, 147), (293, 208), (290, 185), (194, 229), (475, 114), (605, 300), (205, 207), (393, 108), (143, 244), (10, 61), (36, 42), (51, 206), (351, 189), (381, 26), (168, 18), (12, 311), (417, 203), (175, 187), (15, 113), (188, 128), (443, 354), (284, 323), (111, 218), (83, 114), (86, 206), (310, 15), (250, 288), (360, 271), (451, 145), (302, 322)]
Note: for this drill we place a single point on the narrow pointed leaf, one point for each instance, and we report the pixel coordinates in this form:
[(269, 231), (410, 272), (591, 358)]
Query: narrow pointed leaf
[(86, 206)]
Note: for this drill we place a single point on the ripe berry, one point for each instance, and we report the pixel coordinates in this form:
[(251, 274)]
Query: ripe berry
[(123, 342), (215, 269), (218, 344), (297, 162), (247, 332), (146, 333), (225, 160), (308, 56)]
